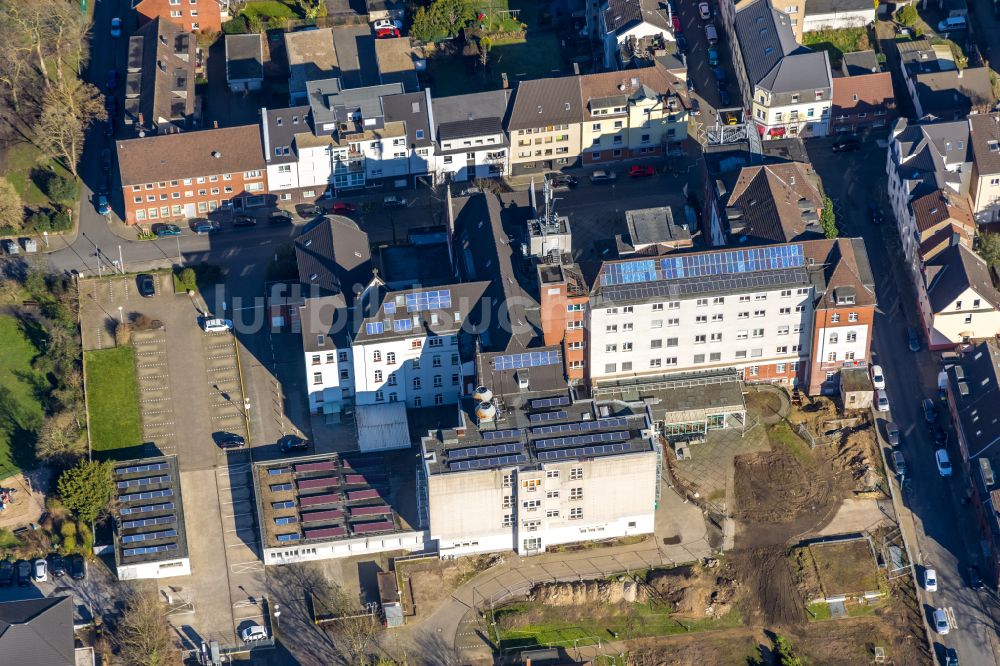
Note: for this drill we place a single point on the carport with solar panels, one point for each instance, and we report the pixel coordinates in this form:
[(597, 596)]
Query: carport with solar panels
[(553, 433), (325, 499), (150, 518)]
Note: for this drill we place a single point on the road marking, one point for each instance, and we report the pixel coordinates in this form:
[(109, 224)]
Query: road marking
[(949, 613)]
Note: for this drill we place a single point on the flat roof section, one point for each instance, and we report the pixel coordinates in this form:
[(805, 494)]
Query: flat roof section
[(149, 524)]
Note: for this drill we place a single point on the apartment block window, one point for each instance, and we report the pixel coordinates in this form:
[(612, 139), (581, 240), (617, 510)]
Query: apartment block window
[(416, 383), (968, 319), (742, 335), (785, 311), (507, 480), (317, 378), (344, 374), (611, 328), (800, 308), (834, 338), (610, 348), (671, 360), (438, 399), (753, 370), (627, 366), (626, 346), (714, 357), (576, 474), (576, 513), (783, 349), (657, 307), (832, 356), (507, 521), (552, 474), (852, 337), (378, 375), (759, 313), (575, 494), (756, 353), (531, 525), (673, 322), (745, 298), (716, 337), (551, 494), (673, 305), (786, 293), (835, 317), (699, 358), (436, 361), (671, 342), (379, 397), (782, 330), (701, 302), (315, 359), (699, 339), (760, 297), (610, 367), (853, 316), (531, 505), (701, 319), (628, 309), (742, 353), (717, 317), (654, 362), (392, 380), (758, 332), (438, 381)]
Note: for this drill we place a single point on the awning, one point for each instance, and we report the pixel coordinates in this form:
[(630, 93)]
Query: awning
[(777, 131)]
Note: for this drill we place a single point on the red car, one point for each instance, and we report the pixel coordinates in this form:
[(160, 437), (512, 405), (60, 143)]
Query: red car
[(677, 23), (341, 208), (640, 171), (385, 33)]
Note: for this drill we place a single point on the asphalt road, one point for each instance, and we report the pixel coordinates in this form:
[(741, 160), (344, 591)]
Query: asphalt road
[(946, 534)]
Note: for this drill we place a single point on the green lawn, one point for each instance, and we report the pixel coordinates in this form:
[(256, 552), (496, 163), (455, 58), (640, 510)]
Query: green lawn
[(20, 409), (21, 159), (268, 9), (538, 57), (783, 435), (561, 626), (838, 42), (113, 399)]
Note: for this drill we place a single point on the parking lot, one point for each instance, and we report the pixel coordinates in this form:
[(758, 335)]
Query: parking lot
[(155, 400)]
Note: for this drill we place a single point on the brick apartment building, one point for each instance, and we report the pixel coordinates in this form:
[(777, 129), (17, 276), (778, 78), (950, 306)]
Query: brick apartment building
[(173, 177), (192, 15)]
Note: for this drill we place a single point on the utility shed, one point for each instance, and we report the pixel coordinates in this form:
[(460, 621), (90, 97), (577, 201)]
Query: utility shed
[(388, 593), (856, 388)]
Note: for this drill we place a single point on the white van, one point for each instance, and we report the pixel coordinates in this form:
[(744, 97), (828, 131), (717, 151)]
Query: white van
[(953, 23), (711, 34)]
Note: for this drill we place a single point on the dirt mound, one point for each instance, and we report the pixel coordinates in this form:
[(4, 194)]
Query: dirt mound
[(694, 591), (588, 592), (770, 597)]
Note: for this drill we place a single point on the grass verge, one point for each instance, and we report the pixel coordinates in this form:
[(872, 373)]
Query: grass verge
[(838, 42), (21, 411), (113, 399)]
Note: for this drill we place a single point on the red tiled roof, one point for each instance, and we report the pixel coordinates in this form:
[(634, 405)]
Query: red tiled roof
[(866, 91)]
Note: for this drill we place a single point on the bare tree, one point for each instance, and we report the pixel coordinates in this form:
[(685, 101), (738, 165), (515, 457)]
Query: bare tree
[(16, 73), (353, 628), (11, 206), (143, 635), (59, 439), (32, 20), (70, 107)]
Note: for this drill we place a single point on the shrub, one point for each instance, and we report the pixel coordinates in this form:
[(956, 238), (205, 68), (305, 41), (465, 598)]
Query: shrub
[(907, 15), (235, 26), (123, 334), (69, 544), (85, 538), (188, 278), (67, 529), (62, 189), (40, 221), (62, 221)]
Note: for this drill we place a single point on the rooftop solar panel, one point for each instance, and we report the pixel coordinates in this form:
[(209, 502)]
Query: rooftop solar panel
[(146, 508), (369, 528), (526, 360), (319, 500), (583, 452), (322, 516), (147, 522), (581, 426), (489, 435), (544, 403), (326, 532), (727, 262), (286, 520), (149, 550), (322, 466), (138, 469), (428, 300), (582, 440), (166, 492), (548, 416), (287, 504), (144, 481), (281, 487), (323, 482), (362, 495), (370, 511), (149, 536), (282, 538), (482, 451), (483, 463), (277, 471)]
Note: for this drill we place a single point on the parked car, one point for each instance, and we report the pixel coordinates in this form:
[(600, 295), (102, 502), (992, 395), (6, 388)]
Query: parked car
[(387, 33), (217, 325), (77, 567), (40, 571), (103, 207), (878, 379), (106, 159), (873, 213), (165, 230), (57, 565), (675, 22), (950, 657), (203, 226), (111, 104), (343, 208), (10, 247), (695, 106), (730, 118), (846, 145), (290, 443), (116, 27), (23, 573), (892, 433), (953, 23), (912, 339), (228, 440), (881, 401), (711, 34), (244, 221), (603, 176), (279, 217), (109, 126), (682, 43), (112, 81), (563, 180), (146, 286), (975, 580), (899, 462), (310, 210), (393, 201), (704, 11), (6, 573), (386, 23), (943, 462), (713, 56), (641, 170), (940, 436), (720, 75), (724, 98), (930, 414), (941, 621), (253, 633), (930, 580)]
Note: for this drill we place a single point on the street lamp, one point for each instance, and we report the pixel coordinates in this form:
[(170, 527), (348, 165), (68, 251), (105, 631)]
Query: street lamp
[(121, 317), (277, 615)]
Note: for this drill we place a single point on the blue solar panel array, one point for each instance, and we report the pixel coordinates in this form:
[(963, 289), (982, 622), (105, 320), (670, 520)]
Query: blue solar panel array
[(287, 504), (583, 452), (153, 467), (144, 481), (280, 487), (373, 328), (148, 508), (288, 537), (428, 300), (543, 403), (502, 434), (480, 463), (402, 325), (277, 471), (581, 440), (732, 262), (149, 550), (147, 522), (390, 307), (526, 360), (548, 416), (286, 520), (166, 492), (149, 536), (583, 426), (479, 451)]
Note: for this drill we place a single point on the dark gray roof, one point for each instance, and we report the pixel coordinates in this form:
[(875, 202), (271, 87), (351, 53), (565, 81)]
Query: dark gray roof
[(244, 57), (800, 72), (133, 530), (955, 270), (462, 129), (37, 632), (465, 314), (765, 36), (542, 102), (163, 85), (334, 258), (280, 127), (975, 387), (404, 266), (654, 225), (934, 155), (622, 15), (410, 108), (954, 94), (708, 392), (464, 116), (330, 102), (860, 62), (814, 7), (985, 140)]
